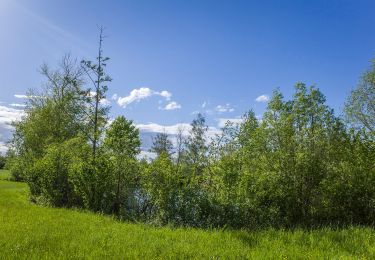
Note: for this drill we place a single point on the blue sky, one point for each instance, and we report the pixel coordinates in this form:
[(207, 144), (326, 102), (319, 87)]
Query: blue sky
[(216, 57)]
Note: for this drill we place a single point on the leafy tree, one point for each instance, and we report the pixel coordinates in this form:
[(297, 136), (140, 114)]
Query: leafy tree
[(52, 115), (49, 177), (94, 190), (196, 146), (162, 185), (123, 143), (360, 106), (51, 118), (161, 144)]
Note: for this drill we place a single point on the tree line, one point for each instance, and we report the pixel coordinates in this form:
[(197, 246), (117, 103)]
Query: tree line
[(299, 165)]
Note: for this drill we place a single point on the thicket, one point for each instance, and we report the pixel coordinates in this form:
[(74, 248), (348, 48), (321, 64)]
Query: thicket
[(299, 165)]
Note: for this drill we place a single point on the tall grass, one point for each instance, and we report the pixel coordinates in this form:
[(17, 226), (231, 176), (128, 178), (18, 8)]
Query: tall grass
[(28, 231)]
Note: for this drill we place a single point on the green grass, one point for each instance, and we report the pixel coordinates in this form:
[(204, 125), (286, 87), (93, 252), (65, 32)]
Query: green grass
[(28, 231), (4, 175)]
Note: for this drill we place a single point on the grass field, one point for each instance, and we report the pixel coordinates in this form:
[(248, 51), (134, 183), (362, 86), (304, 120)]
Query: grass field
[(28, 231)]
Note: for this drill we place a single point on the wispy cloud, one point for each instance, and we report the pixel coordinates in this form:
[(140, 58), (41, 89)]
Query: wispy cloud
[(196, 112), (172, 106), (21, 96), (26, 96), (224, 108), (17, 105), (219, 109), (262, 98)]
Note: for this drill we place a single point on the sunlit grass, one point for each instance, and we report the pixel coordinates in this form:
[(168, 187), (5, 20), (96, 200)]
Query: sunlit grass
[(28, 231), (4, 175)]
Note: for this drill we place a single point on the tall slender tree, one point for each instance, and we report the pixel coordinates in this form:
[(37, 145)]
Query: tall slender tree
[(97, 110)]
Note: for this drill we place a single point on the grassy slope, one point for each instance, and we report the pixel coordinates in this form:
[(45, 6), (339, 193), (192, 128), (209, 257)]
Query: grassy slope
[(29, 231)]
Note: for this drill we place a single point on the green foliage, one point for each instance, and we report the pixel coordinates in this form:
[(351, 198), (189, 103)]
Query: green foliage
[(122, 138), (18, 167), (161, 144), (91, 182), (122, 144), (196, 147), (162, 185), (2, 161), (360, 106), (49, 177)]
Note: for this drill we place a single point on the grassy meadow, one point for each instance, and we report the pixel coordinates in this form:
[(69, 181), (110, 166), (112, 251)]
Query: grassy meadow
[(29, 231)]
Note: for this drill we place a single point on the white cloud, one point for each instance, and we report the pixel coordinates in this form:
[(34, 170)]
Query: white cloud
[(3, 148), (173, 129), (169, 129), (17, 105), (172, 106), (137, 95), (223, 121), (105, 102), (165, 94), (9, 115), (262, 98), (21, 96), (26, 96), (204, 104), (224, 108)]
